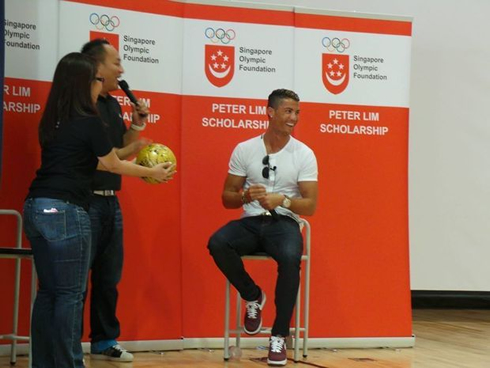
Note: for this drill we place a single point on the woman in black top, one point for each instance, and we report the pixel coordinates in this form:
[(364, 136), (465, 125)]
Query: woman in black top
[(74, 144)]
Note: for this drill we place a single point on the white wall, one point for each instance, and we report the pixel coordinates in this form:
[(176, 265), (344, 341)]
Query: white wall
[(449, 167)]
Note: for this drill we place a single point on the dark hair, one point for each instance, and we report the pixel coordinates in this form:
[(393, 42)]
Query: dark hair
[(70, 94), (281, 94), (96, 49)]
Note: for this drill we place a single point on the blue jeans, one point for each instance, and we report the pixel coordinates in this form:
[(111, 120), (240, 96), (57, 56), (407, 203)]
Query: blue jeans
[(106, 270), (282, 240), (59, 233)]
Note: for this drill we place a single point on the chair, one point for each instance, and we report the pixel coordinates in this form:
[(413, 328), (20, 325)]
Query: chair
[(18, 253), (298, 327)]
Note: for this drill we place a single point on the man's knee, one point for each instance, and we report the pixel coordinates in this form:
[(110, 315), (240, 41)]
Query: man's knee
[(106, 280), (216, 244), (289, 259)]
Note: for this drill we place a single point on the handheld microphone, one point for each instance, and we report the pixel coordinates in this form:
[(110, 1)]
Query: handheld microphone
[(125, 87), (274, 214)]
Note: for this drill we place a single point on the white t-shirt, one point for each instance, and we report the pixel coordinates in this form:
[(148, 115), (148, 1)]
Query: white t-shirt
[(296, 162)]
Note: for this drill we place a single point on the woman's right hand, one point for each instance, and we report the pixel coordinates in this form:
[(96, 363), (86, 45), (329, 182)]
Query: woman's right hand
[(163, 172)]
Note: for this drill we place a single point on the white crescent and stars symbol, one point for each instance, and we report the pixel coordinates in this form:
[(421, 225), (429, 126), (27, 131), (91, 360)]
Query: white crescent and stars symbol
[(219, 65), (219, 60), (335, 70)]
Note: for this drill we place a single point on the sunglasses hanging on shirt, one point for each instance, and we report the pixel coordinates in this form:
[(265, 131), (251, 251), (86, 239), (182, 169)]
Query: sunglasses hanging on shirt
[(266, 170)]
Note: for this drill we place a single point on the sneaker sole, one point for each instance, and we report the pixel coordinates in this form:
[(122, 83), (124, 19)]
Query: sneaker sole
[(108, 358), (277, 362), (260, 325)]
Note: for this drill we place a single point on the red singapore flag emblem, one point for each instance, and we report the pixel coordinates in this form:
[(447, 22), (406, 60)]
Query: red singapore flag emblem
[(335, 72), (219, 64)]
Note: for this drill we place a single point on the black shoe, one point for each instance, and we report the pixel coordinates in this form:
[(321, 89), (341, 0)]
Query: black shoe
[(115, 353)]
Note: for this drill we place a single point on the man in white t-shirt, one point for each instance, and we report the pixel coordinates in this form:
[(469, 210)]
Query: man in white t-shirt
[(274, 177)]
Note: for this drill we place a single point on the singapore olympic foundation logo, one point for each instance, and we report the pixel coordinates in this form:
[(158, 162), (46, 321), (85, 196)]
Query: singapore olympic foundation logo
[(335, 67), (104, 22), (219, 58)]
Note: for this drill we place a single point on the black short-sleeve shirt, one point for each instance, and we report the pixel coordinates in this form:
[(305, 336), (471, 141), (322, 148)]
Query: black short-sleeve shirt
[(111, 114), (68, 163)]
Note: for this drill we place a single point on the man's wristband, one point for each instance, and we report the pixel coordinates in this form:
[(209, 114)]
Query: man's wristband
[(138, 128)]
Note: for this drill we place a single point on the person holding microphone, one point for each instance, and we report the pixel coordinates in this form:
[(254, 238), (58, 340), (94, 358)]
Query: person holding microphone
[(106, 217)]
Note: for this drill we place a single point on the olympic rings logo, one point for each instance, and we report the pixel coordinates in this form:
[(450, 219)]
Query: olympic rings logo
[(104, 22), (336, 44), (220, 35)]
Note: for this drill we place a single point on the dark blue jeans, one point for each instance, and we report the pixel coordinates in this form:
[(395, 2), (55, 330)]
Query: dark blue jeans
[(59, 233), (106, 265), (282, 240)]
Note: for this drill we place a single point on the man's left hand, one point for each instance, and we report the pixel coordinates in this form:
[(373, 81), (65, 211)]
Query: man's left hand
[(140, 113)]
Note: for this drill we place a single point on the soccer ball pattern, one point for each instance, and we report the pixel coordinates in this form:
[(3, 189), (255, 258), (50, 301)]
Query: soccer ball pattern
[(155, 154)]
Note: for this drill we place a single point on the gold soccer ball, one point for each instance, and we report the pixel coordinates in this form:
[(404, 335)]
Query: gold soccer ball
[(155, 154)]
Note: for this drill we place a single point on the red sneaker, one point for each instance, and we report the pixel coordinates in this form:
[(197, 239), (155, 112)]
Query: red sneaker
[(253, 315), (277, 351)]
